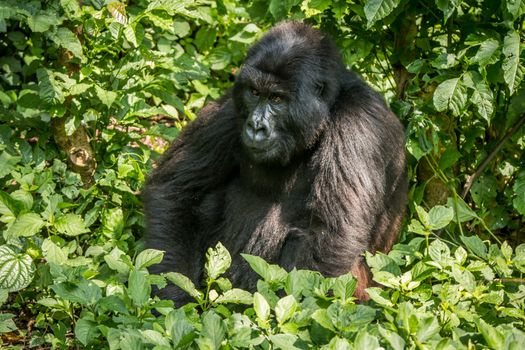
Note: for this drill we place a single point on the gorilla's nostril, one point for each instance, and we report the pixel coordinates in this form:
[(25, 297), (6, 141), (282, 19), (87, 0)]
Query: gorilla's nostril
[(261, 134)]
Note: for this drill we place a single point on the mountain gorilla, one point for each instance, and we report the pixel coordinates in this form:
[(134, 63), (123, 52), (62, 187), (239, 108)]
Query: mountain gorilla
[(301, 163)]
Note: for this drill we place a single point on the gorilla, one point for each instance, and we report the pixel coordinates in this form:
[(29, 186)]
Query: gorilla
[(300, 163)]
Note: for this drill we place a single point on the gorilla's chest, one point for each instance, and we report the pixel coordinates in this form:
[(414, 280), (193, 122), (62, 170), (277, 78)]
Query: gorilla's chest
[(247, 222)]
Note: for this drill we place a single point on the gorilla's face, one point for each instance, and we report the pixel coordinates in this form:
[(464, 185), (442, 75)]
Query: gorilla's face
[(263, 133), (280, 118), (284, 92)]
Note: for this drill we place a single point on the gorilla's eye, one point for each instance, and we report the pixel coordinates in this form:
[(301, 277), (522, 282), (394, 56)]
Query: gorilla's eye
[(276, 98), (254, 92)]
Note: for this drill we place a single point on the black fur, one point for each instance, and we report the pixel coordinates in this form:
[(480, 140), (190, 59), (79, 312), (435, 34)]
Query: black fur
[(332, 185)]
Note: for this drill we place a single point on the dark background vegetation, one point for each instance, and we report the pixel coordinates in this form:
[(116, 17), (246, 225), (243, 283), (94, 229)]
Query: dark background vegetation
[(92, 92)]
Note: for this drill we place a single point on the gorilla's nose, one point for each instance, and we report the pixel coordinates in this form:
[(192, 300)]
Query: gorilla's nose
[(257, 130)]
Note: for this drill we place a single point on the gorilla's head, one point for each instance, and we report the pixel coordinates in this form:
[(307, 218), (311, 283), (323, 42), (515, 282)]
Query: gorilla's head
[(284, 92)]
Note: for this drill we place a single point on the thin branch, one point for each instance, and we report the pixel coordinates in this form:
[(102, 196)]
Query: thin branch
[(485, 163)]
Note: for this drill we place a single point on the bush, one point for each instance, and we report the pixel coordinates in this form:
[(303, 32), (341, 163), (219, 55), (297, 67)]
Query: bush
[(92, 92)]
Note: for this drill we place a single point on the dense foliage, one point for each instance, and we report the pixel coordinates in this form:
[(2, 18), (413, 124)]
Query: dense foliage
[(91, 93)]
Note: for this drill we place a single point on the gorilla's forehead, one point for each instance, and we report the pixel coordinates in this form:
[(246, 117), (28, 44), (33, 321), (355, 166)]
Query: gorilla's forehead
[(262, 79)]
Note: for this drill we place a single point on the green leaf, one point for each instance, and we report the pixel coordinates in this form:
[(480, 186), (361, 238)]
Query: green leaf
[(148, 257), (439, 252), (118, 11), (53, 253), (134, 33), (106, 97), (184, 283), (16, 270), (448, 7), (440, 216), (43, 21), (284, 341), (488, 52), (26, 225), (213, 328), (519, 192), (9, 205), (179, 327), (280, 8), (205, 38), (364, 340), (71, 225), (512, 70), (235, 296), (378, 9), (261, 306), (285, 308), (475, 245), (450, 94), (118, 260), (247, 35), (7, 163), (49, 89), (270, 273), (395, 341), (68, 40), (218, 260), (428, 327), (83, 292), (492, 336), (86, 330), (139, 288)]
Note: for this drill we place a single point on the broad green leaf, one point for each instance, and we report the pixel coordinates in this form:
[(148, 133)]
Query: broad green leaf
[(49, 89), (179, 327), (68, 40), (285, 308), (53, 253), (439, 252), (440, 217), (487, 53), (378, 9), (395, 341), (519, 193), (235, 296), (284, 341), (247, 35), (134, 33), (86, 330), (7, 163), (118, 11), (448, 7), (118, 260), (428, 327), (483, 190), (43, 21), (139, 288), (213, 328), (184, 283), (106, 97), (270, 273), (218, 260), (71, 225), (512, 69), (83, 292), (156, 338), (26, 225), (205, 38), (9, 205), (280, 8), (492, 336), (148, 257), (261, 306), (462, 211), (475, 245), (365, 340), (16, 270), (450, 94)]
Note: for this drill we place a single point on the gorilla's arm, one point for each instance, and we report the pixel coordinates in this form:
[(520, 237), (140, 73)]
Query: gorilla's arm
[(360, 168), (200, 158)]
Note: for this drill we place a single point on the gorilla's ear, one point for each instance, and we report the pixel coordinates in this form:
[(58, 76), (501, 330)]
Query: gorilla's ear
[(319, 88)]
